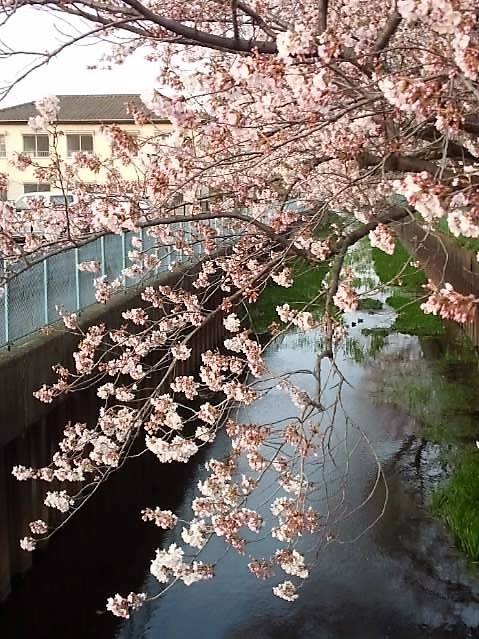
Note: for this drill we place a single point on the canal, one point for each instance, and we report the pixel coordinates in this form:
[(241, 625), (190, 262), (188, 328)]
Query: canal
[(402, 577)]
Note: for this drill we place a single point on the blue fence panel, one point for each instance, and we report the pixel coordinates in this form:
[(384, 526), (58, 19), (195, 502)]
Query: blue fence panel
[(113, 256), (61, 289), (130, 281), (87, 253), (30, 300), (26, 302)]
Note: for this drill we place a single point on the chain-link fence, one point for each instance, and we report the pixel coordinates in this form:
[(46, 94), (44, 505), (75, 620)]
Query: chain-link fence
[(31, 300)]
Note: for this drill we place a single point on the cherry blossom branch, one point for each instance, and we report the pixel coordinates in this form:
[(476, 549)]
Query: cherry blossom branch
[(405, 164), (257, 19), (323, 15), (234, 17), (198, 37), (390, 29)]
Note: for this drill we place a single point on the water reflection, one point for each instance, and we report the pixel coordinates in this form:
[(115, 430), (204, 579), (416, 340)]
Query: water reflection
[(402, 578)]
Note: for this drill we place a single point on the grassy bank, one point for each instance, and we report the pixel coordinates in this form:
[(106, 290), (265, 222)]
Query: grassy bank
[(306, 287), (406, 282), (441, 395), (442, 401), (410, 318), (458, 503)]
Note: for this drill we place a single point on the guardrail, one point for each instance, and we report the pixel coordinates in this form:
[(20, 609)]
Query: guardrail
[(31, 300)]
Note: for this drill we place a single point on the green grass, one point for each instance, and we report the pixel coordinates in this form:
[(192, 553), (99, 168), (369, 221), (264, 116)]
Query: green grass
[(458, 504), (406, 281), (441, 394), (411, 320), (439, 400), (307, 285), (370, 304), (396, 269)]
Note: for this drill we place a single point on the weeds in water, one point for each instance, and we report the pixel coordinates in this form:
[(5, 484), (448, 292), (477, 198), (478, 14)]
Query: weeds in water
[(370, 304)]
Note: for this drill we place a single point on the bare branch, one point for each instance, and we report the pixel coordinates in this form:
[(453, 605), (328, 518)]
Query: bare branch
[(202, 38), (234, 17)]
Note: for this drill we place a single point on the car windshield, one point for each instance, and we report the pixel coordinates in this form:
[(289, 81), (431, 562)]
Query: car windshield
[(61, 200)]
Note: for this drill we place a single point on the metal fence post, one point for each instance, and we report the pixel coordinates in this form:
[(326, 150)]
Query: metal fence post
[(45, 291), (77, 280), (123, 258), (102, 253), (6, 313)]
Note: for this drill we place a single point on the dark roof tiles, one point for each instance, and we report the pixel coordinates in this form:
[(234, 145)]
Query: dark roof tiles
[(84, 108)]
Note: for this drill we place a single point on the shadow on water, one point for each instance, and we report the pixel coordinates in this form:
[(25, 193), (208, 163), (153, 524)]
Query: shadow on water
[(103, 551), (401, 579)]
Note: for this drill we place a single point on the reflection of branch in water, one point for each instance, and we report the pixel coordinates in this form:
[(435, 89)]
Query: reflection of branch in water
[(417, 463), (334, 477), (306, 459), (404, 449), (411, 455), (379, 478)]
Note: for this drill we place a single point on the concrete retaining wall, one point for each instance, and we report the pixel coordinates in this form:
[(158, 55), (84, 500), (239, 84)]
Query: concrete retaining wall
[(29, 430)]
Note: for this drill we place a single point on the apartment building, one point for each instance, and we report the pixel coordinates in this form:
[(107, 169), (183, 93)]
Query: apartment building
[(80, 120)]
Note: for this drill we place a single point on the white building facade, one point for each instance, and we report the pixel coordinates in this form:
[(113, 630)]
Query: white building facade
[(80, 122)]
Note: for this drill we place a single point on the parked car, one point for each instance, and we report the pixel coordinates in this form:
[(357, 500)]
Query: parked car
[(127, 205), (49, 199)]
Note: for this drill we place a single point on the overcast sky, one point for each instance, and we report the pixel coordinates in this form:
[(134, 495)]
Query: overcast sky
[(35, 30)]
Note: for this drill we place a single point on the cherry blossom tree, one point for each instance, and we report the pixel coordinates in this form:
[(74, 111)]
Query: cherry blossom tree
[(363, 113)]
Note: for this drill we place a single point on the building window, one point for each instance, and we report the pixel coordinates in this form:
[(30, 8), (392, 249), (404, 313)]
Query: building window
[(3, 146), (205, 205), (204, 199), (36, 145), (177, 204), (79, 142), (62, 199), (36, 187)]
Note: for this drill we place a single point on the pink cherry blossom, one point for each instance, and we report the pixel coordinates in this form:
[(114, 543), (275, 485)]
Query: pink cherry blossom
[(383, 238), (290, 131), (162, 518), (286, 590), (91, 266), (123, 606), (346, 299), (451, 305)]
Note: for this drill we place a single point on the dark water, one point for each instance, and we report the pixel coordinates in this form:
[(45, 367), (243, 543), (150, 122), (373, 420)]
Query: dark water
[(402, 578)]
